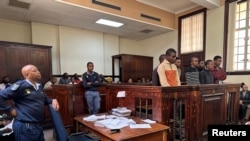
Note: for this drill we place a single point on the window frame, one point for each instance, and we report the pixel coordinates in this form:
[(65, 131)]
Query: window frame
[(225, 39), (204, 11)]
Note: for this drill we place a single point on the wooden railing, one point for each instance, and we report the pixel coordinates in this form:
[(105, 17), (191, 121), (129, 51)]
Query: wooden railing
[(187, 110)]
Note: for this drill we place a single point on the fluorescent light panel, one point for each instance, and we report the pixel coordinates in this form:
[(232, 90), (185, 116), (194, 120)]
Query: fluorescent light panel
[(109, 23)]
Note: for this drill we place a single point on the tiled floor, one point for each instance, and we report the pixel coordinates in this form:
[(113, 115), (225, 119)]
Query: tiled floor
[(48, 135)]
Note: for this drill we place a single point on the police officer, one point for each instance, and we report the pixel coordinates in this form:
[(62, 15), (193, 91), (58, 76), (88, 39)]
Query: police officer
[(29, 100)]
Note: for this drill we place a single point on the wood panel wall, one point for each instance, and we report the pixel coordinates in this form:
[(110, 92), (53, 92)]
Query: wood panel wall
[(14, 56), (133, 66)]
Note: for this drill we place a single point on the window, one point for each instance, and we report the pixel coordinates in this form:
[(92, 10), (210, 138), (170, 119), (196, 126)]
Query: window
[(192, 33), (241, 45)]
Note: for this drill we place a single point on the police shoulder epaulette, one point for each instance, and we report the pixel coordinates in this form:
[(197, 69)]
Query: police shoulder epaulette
[(14, 86), (17, 84)]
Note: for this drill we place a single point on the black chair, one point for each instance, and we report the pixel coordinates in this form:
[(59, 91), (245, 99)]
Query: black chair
[(61, 133)]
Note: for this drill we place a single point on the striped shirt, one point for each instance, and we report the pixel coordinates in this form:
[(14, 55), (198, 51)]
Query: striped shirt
[(192, 76)]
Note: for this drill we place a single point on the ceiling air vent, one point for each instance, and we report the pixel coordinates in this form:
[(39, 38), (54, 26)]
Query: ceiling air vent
[(19, 4), (98, 2), (150, 17), (146, 30)]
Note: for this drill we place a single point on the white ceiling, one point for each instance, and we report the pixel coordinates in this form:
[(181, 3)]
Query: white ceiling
[(57, 13)]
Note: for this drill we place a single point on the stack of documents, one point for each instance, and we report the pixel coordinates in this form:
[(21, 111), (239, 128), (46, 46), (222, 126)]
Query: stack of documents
[(94, 118), (114, 123), (121, 112), (149, 121)]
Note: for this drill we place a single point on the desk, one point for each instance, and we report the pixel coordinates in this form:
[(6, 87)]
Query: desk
[(157, 132)]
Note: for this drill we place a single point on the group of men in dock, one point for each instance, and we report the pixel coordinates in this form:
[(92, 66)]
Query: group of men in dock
[(168, 72)]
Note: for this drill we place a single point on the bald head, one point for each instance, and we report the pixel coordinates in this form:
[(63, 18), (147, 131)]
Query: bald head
[(31, 73)]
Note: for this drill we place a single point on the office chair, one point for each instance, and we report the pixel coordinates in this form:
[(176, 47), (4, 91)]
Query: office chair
[(61, 133)]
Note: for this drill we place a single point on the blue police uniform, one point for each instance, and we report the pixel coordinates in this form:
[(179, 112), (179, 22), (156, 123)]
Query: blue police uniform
[(29, 101), (91, 92)]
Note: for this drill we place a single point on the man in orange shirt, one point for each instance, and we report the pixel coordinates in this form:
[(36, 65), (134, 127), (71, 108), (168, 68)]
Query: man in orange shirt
[(167, 70)]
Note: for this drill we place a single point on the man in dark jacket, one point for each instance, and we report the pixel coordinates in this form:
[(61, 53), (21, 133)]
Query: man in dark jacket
[(206, 76), (91, 81), (244, 103), (29, 100)]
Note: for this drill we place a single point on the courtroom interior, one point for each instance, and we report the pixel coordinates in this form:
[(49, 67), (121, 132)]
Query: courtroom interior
[(209, 38)]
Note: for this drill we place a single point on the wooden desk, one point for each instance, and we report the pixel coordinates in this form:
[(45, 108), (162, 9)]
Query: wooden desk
[(157, 132)]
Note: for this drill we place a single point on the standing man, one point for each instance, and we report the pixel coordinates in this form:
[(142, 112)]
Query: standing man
[(206, 76), (155, 76), (218, 72), (91, 81), (167, 70), (192, 72), (28, 110)]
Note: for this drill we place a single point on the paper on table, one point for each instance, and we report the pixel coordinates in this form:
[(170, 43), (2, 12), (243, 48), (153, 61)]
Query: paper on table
[(116, 123), (7, 126), (139, 126), (149, 121), (94, 118)]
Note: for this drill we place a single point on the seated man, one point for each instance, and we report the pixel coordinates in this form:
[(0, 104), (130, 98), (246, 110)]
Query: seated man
[(5, 82), (52, 81), (244, 111), (6, 133), (76, 79), (64, 79)]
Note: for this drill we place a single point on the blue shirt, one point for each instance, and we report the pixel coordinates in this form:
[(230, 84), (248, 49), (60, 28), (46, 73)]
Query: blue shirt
[(29, 101)]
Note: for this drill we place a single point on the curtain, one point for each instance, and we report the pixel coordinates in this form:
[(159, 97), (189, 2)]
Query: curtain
[(192, 33)]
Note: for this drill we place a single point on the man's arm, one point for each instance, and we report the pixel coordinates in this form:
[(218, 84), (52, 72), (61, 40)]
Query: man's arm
[(223, 75), (202, 77), (155, 77), (5, 95), (84, 81), (177, 75), (97, 81)]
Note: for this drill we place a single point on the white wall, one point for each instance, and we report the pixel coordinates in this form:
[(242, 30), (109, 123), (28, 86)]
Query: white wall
[(14, 31), (214, 32), (110, 48), (45, 34), (127, 46), (77, 47), (158, 45), (238, 79)]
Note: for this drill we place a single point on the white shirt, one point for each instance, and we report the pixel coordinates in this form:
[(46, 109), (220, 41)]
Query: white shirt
[(48, 84)]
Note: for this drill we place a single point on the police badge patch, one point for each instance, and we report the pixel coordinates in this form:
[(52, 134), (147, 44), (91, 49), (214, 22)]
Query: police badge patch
[(27, 91), (14, 86)]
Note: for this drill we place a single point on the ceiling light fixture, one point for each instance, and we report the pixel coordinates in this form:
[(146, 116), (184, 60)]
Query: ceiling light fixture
[(109, 23)]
